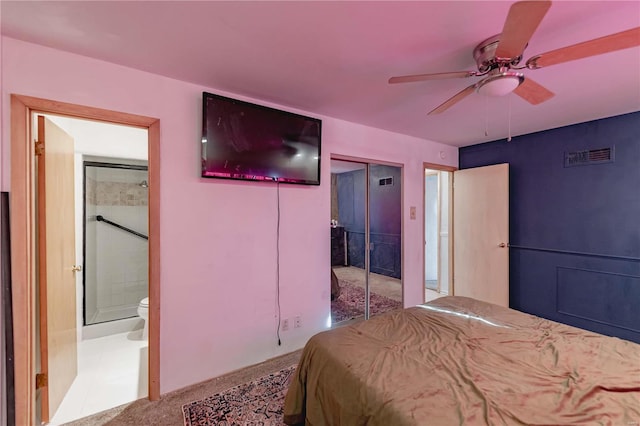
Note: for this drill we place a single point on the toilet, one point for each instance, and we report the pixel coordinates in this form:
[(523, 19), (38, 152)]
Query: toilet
[(143, 312)]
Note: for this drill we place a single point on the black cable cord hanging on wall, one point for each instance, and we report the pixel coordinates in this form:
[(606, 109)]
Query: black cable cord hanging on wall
[(278, 261)]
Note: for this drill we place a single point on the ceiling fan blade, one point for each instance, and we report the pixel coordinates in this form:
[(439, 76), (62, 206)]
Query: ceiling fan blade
[(436, 76), (453, 100), (522, 21), (532, 92), (598, 46)]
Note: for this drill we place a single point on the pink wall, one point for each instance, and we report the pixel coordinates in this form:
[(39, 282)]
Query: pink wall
[(218, 238)]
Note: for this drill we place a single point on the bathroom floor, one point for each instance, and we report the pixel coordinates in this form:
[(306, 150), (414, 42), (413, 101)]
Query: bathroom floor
[(432, 295), (112, 370)]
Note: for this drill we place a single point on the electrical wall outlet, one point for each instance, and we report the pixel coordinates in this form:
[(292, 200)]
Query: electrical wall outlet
[(297, 322), (285, 324)]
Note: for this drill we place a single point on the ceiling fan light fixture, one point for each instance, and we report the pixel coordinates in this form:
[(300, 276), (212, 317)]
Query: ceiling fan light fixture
[(500, 84)]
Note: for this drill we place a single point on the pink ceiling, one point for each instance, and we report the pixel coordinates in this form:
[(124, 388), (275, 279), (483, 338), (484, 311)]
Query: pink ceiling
[(334, 58)]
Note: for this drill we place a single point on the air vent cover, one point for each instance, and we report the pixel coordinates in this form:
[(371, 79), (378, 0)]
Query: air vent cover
[(588, 157), (385, 181)]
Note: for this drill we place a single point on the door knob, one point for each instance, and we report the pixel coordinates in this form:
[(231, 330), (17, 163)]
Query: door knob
[(76, 268), (502, 245)]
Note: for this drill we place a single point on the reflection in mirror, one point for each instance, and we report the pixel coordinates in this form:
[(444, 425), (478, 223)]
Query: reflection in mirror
[(365, 208)]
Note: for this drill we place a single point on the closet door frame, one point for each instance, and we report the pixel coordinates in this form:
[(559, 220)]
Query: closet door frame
[(367, 162)]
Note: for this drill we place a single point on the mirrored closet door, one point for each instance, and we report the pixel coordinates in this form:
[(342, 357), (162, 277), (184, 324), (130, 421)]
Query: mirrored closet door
[(365, 213)]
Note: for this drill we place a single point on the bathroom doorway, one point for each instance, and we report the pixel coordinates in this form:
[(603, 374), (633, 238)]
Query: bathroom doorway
[(29, 359), (438, 264), (110, 194), (366, 239)]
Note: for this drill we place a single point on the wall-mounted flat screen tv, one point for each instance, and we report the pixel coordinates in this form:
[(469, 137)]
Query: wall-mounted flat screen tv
[(241, 140)]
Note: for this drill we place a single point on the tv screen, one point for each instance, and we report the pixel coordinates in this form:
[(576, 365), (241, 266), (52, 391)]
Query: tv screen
[(241, 140)]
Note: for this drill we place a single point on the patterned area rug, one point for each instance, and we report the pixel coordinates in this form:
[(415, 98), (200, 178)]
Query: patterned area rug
[(350, 304), (259, 402)]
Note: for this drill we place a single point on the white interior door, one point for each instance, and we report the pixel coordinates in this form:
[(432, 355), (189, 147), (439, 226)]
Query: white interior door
[(481, 233)]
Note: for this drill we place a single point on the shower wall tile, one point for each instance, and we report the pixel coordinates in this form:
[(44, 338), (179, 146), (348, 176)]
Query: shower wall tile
[(125, 256), (117, 299), (121, 194), (90, 190), (90, 256)]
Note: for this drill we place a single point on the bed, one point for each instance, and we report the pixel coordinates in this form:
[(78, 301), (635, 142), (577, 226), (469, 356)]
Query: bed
[(457, 360)]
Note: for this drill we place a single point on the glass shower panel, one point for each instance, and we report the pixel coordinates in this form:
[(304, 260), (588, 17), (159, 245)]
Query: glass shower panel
[(115, 241), (385, 238)]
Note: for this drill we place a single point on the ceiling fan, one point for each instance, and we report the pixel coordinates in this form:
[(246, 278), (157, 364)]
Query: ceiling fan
[(497, 58)]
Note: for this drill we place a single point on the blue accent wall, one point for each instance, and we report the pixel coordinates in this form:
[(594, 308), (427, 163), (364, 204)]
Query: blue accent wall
[(574, 231)]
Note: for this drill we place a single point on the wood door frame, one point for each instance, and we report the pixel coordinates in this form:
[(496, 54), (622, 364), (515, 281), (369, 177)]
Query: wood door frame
[(440, 168), (433, 172), (23, 244)]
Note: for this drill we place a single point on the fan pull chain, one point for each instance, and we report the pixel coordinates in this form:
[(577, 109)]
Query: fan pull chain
[(486, 115), (509, 137)]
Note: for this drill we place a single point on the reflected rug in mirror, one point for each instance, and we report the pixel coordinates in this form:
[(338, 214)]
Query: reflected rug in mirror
[(350, 303), (259, 402)]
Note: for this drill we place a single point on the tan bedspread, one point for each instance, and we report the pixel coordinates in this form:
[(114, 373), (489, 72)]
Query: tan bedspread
[(460, 361)]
